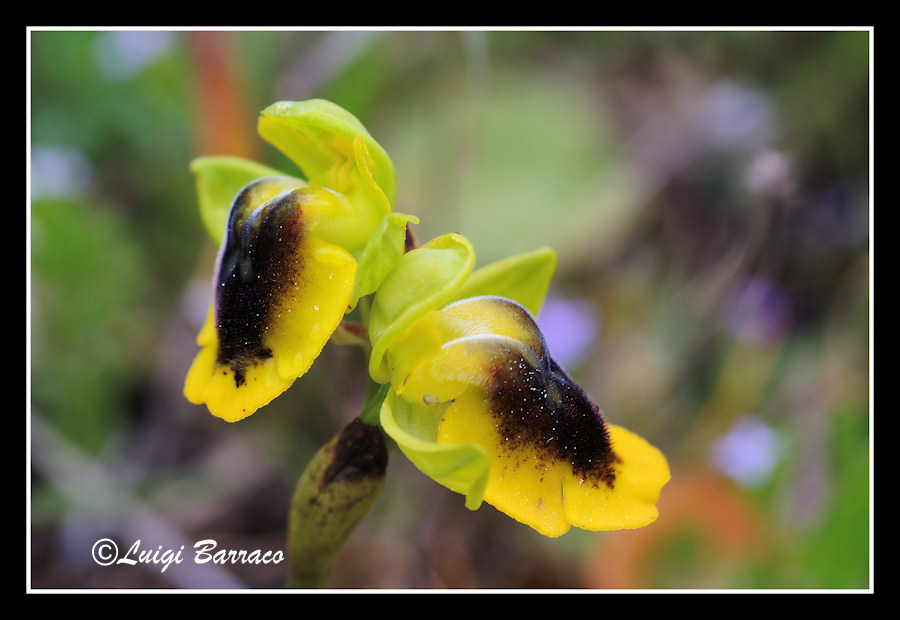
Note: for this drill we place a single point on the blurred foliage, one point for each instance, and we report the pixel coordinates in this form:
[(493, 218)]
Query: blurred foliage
[(84, 336), (708, 195)]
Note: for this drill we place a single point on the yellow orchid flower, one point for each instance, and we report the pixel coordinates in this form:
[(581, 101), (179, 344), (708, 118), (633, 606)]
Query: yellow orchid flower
[(477, 403), (295, 255)]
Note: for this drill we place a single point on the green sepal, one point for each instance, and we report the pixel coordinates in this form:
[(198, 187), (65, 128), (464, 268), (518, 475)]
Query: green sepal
[(304, 130), (382, 251), (524, 278), (423, 279), (463, 468), (218, 180)]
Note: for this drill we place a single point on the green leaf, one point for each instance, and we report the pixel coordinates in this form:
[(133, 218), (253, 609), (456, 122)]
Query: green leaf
[(218, 180)]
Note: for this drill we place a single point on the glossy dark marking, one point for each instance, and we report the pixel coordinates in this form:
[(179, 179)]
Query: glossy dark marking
[(360, 452), (544, 410), (260, 264)]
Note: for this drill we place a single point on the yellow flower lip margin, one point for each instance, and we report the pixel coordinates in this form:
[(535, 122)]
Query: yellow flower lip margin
[(477, 403), (342, 241)]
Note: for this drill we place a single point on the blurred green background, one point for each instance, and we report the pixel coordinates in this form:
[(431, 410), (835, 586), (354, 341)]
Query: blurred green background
[(707, 192)]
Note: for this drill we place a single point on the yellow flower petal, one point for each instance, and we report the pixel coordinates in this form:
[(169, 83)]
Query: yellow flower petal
[(280, 292), (640, 473), (555, 462), (215, 384), (554, 471)]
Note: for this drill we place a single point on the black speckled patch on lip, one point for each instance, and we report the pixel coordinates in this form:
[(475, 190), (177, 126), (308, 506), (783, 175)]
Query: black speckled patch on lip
[(544, 411), (260, 263)]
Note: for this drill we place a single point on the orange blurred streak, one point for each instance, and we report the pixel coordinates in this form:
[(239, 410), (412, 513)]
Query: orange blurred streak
[(702, 502), (226, 123)]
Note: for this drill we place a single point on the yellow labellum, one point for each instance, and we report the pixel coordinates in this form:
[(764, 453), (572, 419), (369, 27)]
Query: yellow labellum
[(280, 292), (554, 461)]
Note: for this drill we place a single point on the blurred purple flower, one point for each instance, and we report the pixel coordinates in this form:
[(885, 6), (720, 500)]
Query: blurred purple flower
[(569, 327), (122, 54), (735, 116), (58, 171), (748, 452), (757, 310)]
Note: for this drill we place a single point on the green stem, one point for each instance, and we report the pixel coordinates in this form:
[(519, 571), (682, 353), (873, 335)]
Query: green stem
[(371, 413)]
